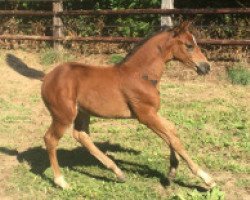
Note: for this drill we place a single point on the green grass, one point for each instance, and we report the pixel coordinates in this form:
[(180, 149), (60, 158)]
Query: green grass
[(243, 182), (212, 122), (239, 75), (215, 194), (51, 56), (116, 58)]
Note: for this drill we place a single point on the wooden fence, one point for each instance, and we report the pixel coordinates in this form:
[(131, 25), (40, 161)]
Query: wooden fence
[(58, 11)]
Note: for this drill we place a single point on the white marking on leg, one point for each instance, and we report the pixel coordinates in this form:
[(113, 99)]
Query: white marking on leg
[(61, 182), (206, 177)]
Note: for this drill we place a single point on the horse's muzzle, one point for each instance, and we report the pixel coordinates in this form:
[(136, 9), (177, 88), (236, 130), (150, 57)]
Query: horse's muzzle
[(202, 68)]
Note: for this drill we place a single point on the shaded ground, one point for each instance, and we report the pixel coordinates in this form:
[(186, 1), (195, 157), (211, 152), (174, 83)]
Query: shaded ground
[(219, 137)]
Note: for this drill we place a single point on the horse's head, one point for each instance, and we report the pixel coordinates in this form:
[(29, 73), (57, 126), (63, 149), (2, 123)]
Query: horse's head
[(186, 50)]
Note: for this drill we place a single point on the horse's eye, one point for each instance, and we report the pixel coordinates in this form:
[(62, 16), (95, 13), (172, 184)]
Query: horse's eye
[(190, 47)]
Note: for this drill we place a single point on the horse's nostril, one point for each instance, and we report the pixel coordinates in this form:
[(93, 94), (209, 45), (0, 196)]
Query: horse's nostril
[(203, 68), (207, 67)]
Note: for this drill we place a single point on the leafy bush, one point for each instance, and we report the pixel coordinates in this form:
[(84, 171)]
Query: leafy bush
[(239, 75)]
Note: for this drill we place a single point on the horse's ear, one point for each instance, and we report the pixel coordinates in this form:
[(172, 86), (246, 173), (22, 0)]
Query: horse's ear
[(183, 27)]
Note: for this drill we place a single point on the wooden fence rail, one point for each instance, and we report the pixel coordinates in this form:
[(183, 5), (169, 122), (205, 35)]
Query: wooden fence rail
[(57, 13), (125, 12), (115, 39)]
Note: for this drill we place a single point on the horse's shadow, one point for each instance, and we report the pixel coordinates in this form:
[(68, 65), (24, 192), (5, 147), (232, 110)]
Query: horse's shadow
[(37, 158)]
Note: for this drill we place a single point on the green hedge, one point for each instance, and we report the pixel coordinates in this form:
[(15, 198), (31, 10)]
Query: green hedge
[(206, 26), (223, 26)]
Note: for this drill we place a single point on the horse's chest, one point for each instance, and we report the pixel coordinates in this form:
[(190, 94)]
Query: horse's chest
[(143, 92)]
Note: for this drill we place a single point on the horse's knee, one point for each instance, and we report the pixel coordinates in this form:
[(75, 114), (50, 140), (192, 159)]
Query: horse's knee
[(147, 118), (81, 137), (169, 125), (75, 135)]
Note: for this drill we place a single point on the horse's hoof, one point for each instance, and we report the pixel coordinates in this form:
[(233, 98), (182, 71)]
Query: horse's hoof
[(59, 181), (211, 184), (172, 174), (121, 178), (207, 178)]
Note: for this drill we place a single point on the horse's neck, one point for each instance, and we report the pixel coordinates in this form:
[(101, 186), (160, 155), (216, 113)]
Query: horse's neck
[(148, 60)]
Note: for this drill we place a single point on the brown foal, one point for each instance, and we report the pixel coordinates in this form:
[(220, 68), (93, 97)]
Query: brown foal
[(73, 92)]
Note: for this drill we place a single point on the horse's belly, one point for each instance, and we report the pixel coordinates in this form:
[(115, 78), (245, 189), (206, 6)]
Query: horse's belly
[(103, 105)]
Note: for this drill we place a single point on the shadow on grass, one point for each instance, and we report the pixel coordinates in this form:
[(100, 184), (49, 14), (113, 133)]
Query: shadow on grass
[(37, 158), (191, 186)]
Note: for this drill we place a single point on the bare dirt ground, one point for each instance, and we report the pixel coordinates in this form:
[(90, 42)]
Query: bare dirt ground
[(12, 81)]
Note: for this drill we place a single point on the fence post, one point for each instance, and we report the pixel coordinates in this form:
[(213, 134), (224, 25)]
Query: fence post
[(57, 24), (166, 20)]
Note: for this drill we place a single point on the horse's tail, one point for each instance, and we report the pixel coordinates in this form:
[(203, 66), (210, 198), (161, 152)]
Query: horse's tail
[(20, 67)]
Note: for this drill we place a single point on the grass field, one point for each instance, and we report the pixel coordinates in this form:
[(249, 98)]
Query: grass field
[(212, 118)]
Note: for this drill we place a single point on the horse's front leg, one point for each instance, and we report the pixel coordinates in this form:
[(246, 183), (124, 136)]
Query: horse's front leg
[(174, 163), (149, 117)]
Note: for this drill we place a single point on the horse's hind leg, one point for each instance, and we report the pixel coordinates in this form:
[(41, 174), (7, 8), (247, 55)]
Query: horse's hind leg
[(51, 138), (174, 157), (80, 133), (82, 121)]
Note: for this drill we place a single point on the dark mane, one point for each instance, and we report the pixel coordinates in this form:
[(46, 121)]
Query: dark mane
[(139, 44)]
